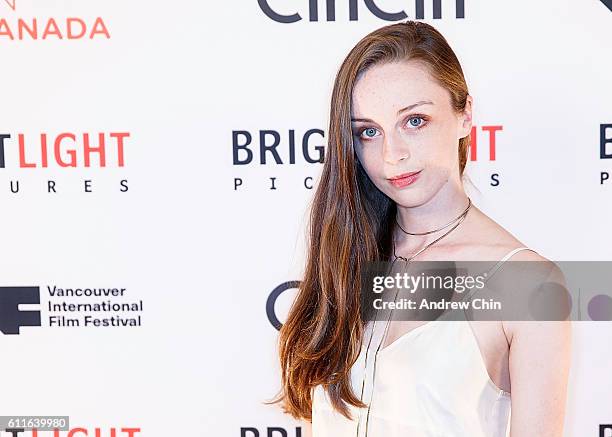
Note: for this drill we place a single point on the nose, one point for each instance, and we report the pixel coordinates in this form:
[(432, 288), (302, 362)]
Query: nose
[(395, 148)]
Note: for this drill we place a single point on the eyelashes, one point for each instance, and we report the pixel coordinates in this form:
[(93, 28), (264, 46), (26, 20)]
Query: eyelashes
[(361, 132), (408, 123)]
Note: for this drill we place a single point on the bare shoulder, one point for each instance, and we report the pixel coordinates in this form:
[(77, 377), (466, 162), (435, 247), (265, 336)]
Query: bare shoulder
[(539, 278), (493, 242), (488, 240)]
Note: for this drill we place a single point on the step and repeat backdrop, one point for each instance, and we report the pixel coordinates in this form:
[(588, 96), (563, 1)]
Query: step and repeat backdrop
[(157, 161)]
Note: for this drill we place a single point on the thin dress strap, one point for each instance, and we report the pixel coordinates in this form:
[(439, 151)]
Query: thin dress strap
[(492, 271)]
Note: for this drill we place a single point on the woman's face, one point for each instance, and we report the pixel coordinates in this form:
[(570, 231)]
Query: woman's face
[(403, 122)]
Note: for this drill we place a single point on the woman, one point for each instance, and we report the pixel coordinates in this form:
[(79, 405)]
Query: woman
[(391, 188)]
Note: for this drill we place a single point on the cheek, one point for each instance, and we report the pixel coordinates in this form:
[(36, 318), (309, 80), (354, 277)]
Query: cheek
[(370, 160), (438, 147), (438, 173)]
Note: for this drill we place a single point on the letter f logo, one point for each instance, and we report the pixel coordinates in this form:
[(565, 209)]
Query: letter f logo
[(11, 317)]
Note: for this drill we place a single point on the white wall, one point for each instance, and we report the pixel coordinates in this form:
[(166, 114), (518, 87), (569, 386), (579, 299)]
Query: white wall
[(180, 77)]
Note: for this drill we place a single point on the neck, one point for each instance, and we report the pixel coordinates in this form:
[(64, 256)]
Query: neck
[(445, 206)]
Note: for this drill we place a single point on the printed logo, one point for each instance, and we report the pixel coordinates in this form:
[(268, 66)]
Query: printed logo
[(11, 317), (115, 432), (112, 307), (418, 11), (492, 138), (34, 154), (479, 150), (605, 149), (273, 148), (271, 302), (248, 431), (51, 28), (269, 145)]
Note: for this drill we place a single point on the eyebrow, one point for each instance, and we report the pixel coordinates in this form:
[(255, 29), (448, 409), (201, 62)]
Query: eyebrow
[(407, 108)]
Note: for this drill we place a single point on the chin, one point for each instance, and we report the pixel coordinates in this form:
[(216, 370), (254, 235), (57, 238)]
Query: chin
[(416, 196), (409, 198)]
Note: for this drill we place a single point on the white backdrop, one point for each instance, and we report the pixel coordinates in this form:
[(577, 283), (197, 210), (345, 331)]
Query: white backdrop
[(182, 82)]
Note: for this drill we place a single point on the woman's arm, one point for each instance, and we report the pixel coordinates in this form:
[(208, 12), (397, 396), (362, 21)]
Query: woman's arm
[(540, 354)]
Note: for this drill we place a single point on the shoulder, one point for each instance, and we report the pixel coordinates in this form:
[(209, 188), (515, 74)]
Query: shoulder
[(486, 240), (545, 285), (494, 241), (497, 242)]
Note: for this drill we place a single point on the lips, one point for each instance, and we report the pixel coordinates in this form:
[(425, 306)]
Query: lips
[(404, 175), (405, 179)]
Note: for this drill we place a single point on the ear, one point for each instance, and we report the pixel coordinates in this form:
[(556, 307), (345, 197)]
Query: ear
[(465, 119)]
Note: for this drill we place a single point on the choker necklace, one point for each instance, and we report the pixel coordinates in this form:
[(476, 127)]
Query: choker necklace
[(459, 219), (435, 230)]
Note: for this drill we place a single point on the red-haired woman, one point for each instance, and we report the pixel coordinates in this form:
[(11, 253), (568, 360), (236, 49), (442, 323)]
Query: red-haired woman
[(392, 188)]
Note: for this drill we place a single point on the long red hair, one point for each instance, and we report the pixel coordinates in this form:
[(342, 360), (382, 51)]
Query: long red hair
[(351, 223)]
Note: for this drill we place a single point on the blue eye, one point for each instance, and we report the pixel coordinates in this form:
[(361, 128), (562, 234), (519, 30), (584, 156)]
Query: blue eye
[(412, 119), (369, 132)]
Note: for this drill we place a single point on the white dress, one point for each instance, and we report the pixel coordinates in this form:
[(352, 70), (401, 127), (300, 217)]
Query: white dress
[(430, 382)]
